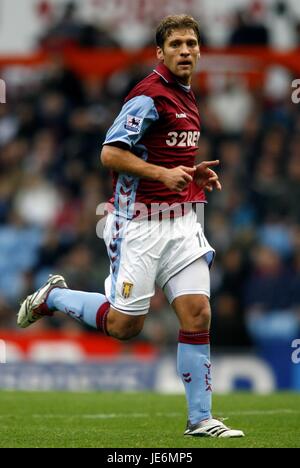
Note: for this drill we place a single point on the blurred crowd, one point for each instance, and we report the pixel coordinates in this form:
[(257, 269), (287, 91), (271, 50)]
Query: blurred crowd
[(51, 181), (255, 22)]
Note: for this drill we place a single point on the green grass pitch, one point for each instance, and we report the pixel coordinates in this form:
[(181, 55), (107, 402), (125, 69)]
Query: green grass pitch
[(134, 420)]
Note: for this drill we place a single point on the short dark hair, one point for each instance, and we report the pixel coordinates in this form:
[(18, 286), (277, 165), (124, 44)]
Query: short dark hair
[(171, 22)]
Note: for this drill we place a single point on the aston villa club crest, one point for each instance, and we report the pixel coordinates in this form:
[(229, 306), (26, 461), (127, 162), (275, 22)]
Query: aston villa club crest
[(126, 289)]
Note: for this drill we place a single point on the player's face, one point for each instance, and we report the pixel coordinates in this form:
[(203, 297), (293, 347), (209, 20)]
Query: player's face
[(180, 53)]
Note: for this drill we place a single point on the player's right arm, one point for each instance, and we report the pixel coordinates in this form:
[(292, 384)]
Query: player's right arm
[(136, 116), (121, 160)]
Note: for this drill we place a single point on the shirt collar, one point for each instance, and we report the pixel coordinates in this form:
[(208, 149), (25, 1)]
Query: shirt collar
[(165, 73), (168, 76)]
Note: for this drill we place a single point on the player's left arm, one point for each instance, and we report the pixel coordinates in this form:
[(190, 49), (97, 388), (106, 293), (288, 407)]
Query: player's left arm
[(205, 177)]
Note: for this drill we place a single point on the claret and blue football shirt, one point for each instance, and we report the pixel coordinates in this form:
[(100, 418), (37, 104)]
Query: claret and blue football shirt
[(159, 122)]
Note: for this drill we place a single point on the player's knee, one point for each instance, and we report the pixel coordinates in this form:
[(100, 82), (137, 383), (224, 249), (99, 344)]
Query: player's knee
[(204, 317), (125, 334), (124, 329), (199, 316)]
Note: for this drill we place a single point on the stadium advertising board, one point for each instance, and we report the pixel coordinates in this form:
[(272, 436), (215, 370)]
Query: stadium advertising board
[(85, 362)]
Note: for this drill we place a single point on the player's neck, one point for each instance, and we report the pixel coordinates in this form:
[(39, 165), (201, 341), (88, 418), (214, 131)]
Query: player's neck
[(184, 81), (186, 87)]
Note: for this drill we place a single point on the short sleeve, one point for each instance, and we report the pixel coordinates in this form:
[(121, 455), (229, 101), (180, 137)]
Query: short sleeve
[(135, 117)]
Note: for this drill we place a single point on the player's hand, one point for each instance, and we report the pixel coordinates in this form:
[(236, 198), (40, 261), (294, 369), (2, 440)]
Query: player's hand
[(178, 178), (205, 177)]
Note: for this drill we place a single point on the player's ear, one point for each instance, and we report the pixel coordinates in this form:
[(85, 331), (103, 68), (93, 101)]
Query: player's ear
[(159, 54)]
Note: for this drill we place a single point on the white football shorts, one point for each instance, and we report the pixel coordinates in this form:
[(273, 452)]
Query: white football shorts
[(143, 252)]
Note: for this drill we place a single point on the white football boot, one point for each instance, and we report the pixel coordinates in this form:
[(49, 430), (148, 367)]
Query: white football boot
[(34, 307), (211, 428)]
